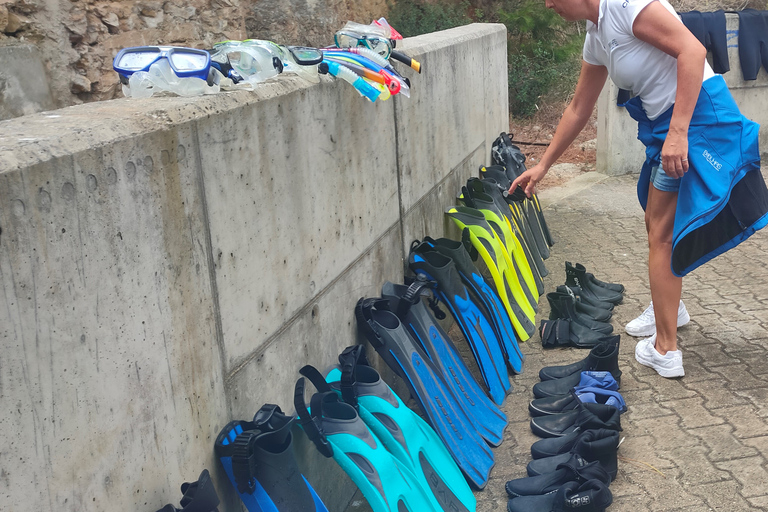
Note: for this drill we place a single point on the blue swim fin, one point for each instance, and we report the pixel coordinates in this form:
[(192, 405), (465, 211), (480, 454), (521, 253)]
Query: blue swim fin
[(487, 296), (476, 328), (258, 459), (405, 435), (338, 431), (405, 302), (385, 332)]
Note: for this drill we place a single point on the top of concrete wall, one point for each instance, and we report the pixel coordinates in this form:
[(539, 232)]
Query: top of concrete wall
[(36, 138)]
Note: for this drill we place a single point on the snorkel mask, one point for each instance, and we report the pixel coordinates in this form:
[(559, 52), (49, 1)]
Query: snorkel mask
[(373, 37), (256, 61), (144, 70)]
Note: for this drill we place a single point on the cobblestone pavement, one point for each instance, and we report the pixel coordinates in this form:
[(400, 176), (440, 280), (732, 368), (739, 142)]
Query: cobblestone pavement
[(694, 444)]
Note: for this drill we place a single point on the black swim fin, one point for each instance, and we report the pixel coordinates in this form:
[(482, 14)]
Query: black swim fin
[(258, 459), (199, 496)]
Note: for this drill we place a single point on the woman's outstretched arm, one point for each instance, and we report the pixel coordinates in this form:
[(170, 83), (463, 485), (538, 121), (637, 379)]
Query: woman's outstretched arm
[(591, 82)]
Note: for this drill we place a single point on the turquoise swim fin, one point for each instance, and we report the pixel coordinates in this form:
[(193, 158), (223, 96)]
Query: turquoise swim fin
[(405, 435), (338, 431)]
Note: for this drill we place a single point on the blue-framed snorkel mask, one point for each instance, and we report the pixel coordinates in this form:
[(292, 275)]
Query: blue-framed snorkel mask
[(184, 62)]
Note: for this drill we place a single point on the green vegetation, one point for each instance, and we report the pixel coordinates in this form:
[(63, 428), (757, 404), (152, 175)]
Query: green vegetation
[(544, 50), (414, 17)]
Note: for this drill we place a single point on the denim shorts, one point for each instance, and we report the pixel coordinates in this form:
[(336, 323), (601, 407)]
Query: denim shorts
[(663, 182)]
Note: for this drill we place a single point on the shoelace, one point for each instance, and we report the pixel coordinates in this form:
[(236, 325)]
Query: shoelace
[(648, 314)]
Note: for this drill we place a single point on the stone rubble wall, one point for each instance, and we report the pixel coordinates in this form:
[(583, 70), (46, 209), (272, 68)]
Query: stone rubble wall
[(79, 38)]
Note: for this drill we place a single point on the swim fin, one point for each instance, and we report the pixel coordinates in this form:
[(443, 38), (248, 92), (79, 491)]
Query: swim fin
[(404, 434), (197, 496), (405, 302), (480, 336), (505, 153), (482, 292), (258, 459), (493, 253), (522, 255), (521, 220), (385, 332), (501, 225), (338, 431)]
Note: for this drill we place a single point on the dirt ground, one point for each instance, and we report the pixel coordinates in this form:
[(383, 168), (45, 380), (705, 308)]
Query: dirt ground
[(530, 134)]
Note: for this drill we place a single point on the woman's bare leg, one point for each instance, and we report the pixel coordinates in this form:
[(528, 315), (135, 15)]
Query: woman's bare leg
[(665, 286)]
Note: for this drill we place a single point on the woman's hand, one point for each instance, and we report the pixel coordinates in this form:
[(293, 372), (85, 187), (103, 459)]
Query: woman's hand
[(674, 154), (529, 179)]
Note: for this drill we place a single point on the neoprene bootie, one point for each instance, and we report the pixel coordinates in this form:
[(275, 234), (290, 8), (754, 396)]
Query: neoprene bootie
[(578, 267), (591, 496), (585, 299), (557, 387), (576, 469), (197, 496), (557, 445), (567, 333), (600, 445), (595, 313), (568, 402), (604, 357), (565, 306), (585, 416), (578, 277)]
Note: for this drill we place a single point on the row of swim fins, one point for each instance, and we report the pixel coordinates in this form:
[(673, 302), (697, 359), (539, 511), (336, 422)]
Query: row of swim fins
[(400, 460)]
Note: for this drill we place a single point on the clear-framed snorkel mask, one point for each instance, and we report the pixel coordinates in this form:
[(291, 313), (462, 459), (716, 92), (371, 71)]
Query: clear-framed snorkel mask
[(298, 60), (373, 37), (145, 70), (241, 62)]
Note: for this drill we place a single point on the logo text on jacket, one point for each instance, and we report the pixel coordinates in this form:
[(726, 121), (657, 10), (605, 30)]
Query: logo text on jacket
[(714, 163)]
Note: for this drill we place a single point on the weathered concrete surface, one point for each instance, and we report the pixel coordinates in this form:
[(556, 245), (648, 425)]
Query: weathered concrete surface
[(168, 264), (23, 82), (619, 151)]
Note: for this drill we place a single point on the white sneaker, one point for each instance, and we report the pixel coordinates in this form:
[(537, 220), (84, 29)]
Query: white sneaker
[(668, 365), (645, 324)]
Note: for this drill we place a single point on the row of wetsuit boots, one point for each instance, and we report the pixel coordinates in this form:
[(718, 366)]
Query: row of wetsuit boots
[(576, 410), (580, 310)]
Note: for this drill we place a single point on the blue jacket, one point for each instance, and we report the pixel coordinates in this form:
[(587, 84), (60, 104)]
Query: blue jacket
[(723, 198)]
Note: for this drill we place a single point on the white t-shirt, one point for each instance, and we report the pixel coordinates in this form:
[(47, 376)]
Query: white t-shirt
[(632, 63)]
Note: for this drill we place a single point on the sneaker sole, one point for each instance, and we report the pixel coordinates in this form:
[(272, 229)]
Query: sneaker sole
[(664, 372), (650, 331)]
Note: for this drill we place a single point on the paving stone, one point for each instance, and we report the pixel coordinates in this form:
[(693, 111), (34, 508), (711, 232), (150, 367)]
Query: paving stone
[(744, 419), (750, 473), (712, 354), (759, 502), (723, 496), (722, 443), (695, 467), (666, 491), (716, 396), (693, 413), (750, 329), (665, 430), (640, 454), (738, 378)]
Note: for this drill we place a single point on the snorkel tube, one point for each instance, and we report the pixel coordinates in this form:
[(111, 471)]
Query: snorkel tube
[(401, 57), (381, 77), (335, 69), (366, 63)]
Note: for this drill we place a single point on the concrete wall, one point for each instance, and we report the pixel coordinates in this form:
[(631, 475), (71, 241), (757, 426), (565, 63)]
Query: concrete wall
[(619, 151), (168, 264)]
